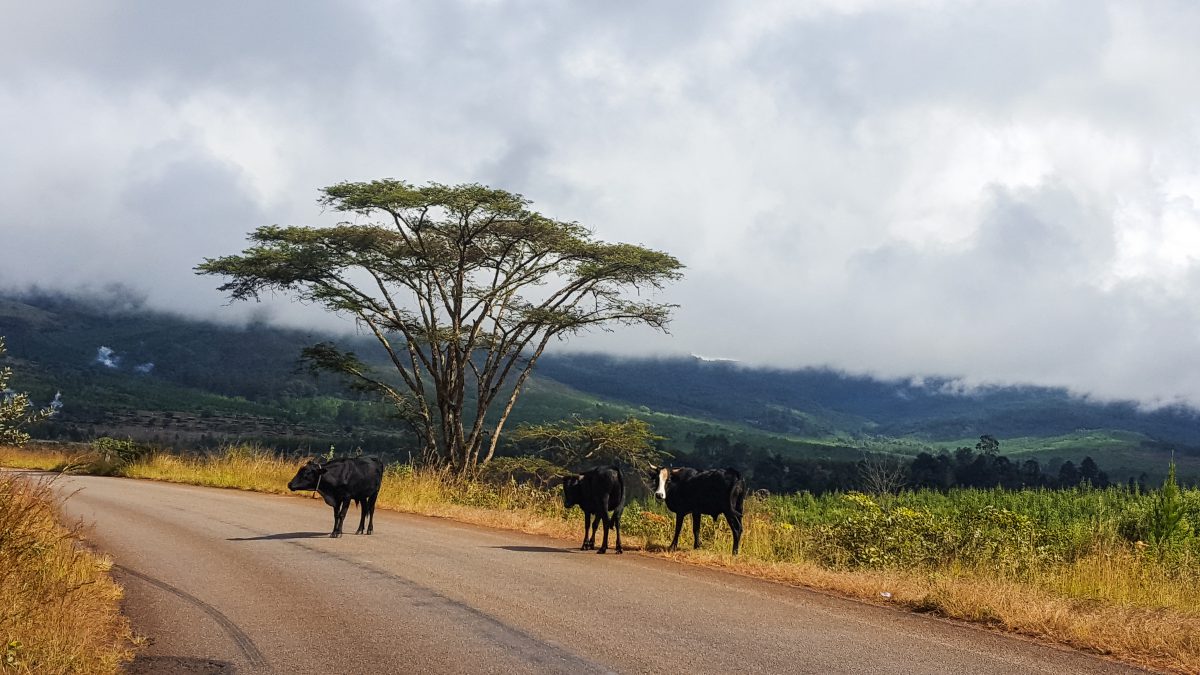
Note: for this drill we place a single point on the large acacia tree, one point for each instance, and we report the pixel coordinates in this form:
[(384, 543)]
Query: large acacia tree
[(463, 287)]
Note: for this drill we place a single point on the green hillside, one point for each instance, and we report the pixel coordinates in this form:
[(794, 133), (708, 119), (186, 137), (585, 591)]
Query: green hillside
[(211, 383), (123, 370)]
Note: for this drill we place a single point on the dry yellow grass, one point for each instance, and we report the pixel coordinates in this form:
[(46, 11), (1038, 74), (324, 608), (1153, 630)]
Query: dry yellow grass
[(39, 456), (1108, 602), (60, 610)]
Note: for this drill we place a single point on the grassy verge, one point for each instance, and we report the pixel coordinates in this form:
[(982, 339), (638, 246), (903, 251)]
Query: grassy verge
[(1071, 567), (59, 611)]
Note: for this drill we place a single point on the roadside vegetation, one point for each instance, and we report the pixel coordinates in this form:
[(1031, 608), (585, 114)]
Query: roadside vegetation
[(60, 610), (1109, 570)]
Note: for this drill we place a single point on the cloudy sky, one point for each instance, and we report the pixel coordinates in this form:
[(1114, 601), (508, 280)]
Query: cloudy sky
[(1001, 191)]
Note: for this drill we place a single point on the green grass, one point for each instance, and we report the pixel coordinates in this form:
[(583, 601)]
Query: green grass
[(1116, 452), (547, 400)]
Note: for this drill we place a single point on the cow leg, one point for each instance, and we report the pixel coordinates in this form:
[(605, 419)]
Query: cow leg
[(617, 522), (696, 530), (595, 526), (735, 525), (362, 515), (607, 524), (371, 514), (678, 526), (343, 507), (587, 525)]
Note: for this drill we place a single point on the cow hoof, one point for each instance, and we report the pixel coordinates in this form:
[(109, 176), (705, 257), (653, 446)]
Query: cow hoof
[(602, 551), (620, 551)]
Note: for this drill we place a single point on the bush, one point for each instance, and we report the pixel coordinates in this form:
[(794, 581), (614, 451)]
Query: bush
[(524, 470), (106, 457), (900, 536)]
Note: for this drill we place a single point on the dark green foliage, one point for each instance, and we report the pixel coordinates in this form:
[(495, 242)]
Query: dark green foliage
[(581, 444), (1167, 524), (814, 402), (16, 411), (524, 469), (781, 474)]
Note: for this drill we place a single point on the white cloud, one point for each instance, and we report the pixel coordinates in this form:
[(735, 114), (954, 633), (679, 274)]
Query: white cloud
[(994, 191)]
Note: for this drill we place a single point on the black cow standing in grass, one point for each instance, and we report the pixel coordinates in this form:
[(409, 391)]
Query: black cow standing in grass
[(715, 492), (597, 492), (340, 480)]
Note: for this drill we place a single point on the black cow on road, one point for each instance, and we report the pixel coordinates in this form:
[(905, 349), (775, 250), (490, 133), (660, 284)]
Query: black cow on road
[(715, 492), (597, 492), (341, 480)]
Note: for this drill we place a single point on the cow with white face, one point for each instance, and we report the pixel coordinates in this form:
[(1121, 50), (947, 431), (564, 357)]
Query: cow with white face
[(714, 493)]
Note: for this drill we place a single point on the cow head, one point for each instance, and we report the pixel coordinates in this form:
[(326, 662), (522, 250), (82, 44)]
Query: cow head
[(659, 477), (308, 477), (571, 495)]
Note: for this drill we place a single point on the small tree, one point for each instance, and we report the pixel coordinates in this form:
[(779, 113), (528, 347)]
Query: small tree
[(462, 286), (576, 443), (988, 445), (882, 474), (1167, 523), (16, 411)]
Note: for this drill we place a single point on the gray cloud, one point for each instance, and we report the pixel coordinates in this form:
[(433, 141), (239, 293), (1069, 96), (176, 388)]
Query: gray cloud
[(1006, 192)]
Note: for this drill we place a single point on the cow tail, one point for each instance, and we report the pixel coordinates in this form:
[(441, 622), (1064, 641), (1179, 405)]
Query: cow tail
[(737, 497), (620, 480)]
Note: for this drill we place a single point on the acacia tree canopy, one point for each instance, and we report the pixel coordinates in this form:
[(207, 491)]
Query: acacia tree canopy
[(577, 443), (462, 286)]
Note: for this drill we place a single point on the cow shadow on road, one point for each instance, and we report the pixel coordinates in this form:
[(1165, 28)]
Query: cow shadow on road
[(532, 549), (281, 535)]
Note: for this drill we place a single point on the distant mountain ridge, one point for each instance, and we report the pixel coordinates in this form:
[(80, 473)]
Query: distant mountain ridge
[(815, 401), (110, 357)]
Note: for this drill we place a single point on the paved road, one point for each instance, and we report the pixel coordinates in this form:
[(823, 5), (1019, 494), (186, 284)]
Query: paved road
[(226, 581)]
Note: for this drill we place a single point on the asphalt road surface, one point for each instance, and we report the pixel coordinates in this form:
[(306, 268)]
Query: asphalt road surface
[(222, 581)]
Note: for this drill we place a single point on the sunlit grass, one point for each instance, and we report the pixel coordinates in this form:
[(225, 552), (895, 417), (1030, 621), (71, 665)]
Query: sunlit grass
[(44, 457), (59, 609)]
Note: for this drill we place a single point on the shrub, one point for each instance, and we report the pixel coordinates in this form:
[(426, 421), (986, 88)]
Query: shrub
[(106, 457)]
